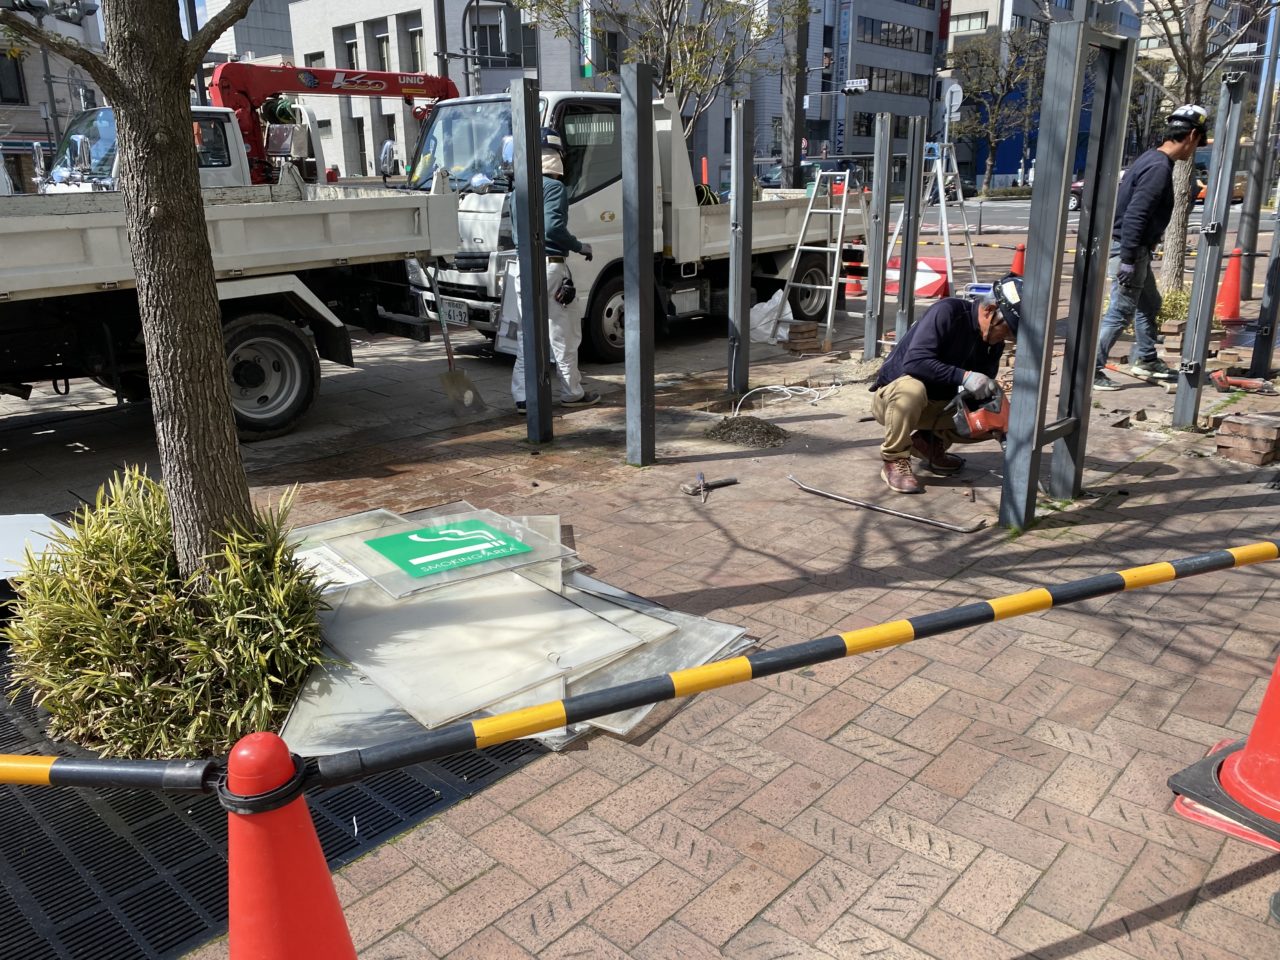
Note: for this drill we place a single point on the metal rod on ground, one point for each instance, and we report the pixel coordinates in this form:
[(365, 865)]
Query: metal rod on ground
[(929, 521), (1204, 288), (878, 230), (1264, 342), (741, 191), (352, 765), (1259, 163), (910, 229), (536, 343), (637, 259)]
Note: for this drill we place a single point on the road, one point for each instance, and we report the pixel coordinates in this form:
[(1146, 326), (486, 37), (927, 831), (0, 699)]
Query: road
[(1013, 216)]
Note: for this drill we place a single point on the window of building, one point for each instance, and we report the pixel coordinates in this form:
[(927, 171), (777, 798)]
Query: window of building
[(593, 141), (390, 119), (211, 143), (362, 151), (611, 51), (887, 34), (416, 59), (883, 80), (864, 125), (325, 127), (1065, 4), (728, 134), (384, 52), (313, 59), (1149, 43), (487, 40), (927, 4), (1130, 21), (969, 22), (353, 54), (12, 89), (529, 44)]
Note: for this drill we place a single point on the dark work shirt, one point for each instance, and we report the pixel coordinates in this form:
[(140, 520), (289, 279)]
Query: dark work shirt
[(940, 348), (557, 239), (1144, 204)]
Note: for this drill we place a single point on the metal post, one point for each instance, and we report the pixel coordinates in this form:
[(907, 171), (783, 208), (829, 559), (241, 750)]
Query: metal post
[(1259, 164), (637, 258), (740, 198), (795, 62), (442, 41), (1204, 288), (910, 227), (878, 237), (193, 27), (1264, 342), (536, 340), (48, 85)]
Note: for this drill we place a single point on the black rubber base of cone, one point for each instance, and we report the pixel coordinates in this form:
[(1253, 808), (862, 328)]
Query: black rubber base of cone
[(1199, 782)]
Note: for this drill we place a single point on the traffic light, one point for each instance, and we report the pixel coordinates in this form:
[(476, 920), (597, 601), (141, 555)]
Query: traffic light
[(852, 87)]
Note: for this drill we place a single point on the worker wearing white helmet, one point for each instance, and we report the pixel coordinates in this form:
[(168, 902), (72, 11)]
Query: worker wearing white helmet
[(1144, 207)]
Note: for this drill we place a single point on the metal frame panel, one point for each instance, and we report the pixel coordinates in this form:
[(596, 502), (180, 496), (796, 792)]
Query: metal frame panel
[(742, 124), (637, 259), (1204, 288), (1063, 94), (910, 228), (878, 237), (1265, 341)]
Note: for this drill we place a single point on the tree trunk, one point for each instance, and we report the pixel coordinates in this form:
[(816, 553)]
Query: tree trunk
[(990, 168), (177, 298), (1175, 237)]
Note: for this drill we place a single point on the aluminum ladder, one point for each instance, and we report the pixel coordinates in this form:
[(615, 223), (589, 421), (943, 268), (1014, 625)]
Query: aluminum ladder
[(941, 160), (821, 205)]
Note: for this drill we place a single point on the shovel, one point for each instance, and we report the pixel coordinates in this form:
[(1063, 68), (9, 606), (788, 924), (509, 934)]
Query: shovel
[(457, 385)]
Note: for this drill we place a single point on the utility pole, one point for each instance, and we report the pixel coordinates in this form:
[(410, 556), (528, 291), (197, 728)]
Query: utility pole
[(193, 25), (1259, 163), (795, 64)]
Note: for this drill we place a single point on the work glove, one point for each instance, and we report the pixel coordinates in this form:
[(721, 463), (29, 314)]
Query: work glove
[(1124, 274), (586, 251), (978, 385)]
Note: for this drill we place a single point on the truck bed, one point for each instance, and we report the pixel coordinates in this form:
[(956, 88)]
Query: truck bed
[(698, 233), (78, 243)]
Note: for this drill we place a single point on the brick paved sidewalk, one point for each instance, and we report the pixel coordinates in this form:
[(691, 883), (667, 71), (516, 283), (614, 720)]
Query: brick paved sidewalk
[(996, 793)]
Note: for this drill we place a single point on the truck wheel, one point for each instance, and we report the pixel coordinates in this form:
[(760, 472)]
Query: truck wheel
[(275, 374), (810, 306), (134, 387), (606, 332)]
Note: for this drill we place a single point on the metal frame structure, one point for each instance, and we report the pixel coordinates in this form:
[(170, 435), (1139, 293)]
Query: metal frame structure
[(1064, 81), (534, 332), (1264, 342), (742, 124), (909, 224), (878, 237), (637, 260), (1213, 234)]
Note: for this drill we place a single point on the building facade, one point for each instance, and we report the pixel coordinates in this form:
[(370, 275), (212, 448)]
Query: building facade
[(264, 31), (34, 106)]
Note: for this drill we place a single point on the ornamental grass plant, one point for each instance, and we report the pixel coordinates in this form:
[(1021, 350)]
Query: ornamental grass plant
[(130, 659)]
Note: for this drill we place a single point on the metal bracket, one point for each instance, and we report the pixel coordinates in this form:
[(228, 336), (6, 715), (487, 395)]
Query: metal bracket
[(1211, 229), (1191, 367)]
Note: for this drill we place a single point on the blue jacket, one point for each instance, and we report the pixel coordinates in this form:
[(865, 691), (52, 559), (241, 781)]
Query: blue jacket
[(1144, 205), (941, 346), (555, 220)]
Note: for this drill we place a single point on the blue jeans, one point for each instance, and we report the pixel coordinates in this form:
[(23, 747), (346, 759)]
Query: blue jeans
[(1138, 302)]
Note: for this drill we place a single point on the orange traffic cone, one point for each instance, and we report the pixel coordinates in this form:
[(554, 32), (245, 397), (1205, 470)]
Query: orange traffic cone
[(1252, 775), (281, 899), (1019, 260), (1228, 306), (853, 288)]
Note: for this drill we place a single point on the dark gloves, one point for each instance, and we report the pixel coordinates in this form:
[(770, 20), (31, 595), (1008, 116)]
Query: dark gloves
[(586, 251), (1124, 274)]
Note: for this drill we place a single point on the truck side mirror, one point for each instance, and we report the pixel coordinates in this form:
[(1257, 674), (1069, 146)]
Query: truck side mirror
[(83, 163), (387, 159), (37, 160)]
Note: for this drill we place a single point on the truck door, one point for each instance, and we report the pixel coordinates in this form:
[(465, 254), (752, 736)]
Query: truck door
[(217, 165)]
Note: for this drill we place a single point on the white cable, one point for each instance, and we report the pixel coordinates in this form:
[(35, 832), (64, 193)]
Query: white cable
[(811, 394)]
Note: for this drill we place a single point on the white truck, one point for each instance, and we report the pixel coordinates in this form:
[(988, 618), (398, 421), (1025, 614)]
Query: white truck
[(465, 140), (294, 263)]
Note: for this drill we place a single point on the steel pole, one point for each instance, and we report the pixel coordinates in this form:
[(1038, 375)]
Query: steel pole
[(1259, 163), (1264, 343), (910, 228), (740, 198), (878, 239), (193, 25), (536, 340), (48, 86), (637, 258)]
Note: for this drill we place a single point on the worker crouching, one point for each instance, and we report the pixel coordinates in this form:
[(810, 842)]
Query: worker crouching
[(955, 348)]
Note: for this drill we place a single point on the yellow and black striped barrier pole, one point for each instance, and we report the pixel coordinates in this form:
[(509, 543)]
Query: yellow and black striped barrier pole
[(200, 776)]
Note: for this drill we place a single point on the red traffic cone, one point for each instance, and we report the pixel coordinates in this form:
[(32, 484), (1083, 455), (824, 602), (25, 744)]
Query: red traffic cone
[(1252, 776), (1019, 260), (853, 288), (281, 899), (1228, 306)]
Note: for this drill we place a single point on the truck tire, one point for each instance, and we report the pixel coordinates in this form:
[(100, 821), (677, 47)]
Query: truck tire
[(606, 332), (275, 374), (810, 306)]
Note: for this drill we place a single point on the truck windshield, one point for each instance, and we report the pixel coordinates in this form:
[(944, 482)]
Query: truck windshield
[(464, 138), (99, 126)]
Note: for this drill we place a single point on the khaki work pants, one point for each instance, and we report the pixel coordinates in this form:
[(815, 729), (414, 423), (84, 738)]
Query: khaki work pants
[(903, 407)]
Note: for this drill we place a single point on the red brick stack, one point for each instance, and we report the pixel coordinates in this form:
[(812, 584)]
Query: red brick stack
[(1250, 437)]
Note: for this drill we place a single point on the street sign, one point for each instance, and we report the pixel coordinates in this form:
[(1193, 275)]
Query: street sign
[(421, 553), (856, 86), (955, 97)]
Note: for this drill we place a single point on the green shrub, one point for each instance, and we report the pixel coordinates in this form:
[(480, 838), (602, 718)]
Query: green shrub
[(1007, 192), (131, 659), (1175, 306)]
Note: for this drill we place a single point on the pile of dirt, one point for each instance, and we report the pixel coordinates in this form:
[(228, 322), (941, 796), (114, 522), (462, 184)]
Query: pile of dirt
[(861, 371), (748, 432)]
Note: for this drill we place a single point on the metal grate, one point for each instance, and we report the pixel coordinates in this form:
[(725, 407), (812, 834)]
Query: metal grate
[(117, 875)]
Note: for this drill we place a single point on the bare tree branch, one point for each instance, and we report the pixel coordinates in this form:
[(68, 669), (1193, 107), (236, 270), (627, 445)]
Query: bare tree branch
[(65, 47), (214, 27)]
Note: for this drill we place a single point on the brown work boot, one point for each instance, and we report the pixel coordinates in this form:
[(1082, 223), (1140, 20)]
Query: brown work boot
[(929, 448), (897, 474)]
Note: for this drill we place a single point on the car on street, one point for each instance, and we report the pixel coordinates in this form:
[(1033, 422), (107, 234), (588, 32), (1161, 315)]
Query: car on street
[(771, 179), (1237, 188)]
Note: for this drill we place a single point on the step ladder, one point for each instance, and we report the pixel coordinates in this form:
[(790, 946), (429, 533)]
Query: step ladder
[(822, 205), (940, 161)]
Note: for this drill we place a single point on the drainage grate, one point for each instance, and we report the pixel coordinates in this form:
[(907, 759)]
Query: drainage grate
[(117, 875)]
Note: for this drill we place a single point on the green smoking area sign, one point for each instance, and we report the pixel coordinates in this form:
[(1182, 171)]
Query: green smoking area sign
[(421, 553)]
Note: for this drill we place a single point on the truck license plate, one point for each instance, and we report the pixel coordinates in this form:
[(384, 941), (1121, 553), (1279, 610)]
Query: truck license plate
[(453, 311)]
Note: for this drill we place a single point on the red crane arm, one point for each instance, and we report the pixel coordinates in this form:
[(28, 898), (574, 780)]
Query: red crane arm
[(244, 87)]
